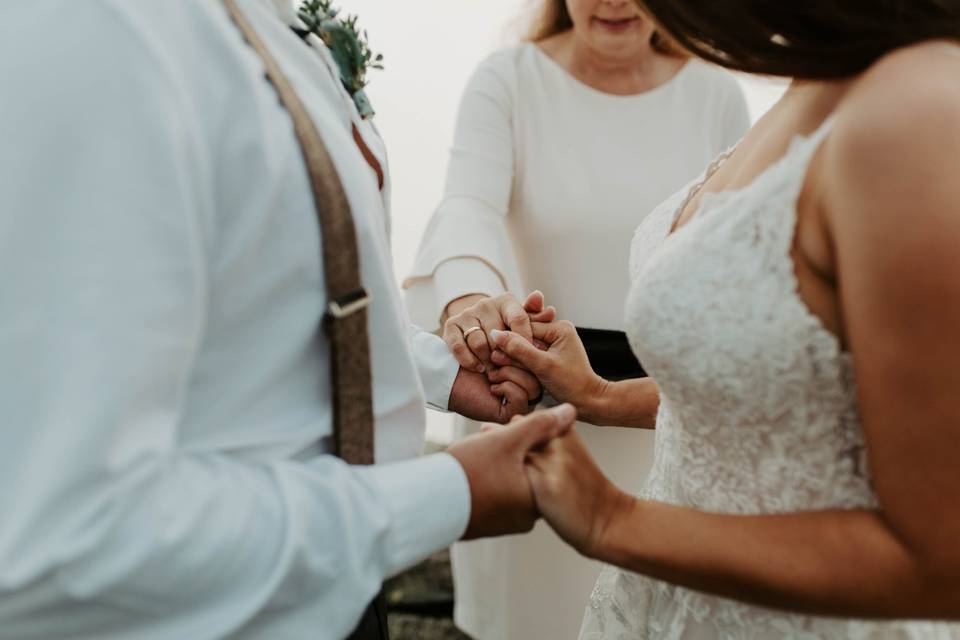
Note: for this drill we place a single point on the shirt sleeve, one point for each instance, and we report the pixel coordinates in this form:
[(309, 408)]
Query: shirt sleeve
[(111, 526), (466, 248), (437, 367)]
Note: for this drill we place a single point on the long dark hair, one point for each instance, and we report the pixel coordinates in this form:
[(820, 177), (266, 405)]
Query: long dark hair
[(812, 39), (553, 18)]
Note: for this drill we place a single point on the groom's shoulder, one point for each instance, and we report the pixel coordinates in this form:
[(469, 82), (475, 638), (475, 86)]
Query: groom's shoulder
[(73, 65), (71, 33), (106, 48)]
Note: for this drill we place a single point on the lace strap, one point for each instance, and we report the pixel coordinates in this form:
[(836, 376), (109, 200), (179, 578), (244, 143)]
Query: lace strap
[(696, 187), (780, 223)]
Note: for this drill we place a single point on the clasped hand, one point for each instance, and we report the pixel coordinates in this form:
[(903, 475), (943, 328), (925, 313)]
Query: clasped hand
[(543, 466), (484, 390), (521, 349)]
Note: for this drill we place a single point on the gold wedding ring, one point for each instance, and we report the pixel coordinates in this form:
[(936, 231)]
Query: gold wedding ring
[(467, 333)]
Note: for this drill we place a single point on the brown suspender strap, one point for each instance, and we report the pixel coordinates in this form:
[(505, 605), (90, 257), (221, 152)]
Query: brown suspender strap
[(345, 320)]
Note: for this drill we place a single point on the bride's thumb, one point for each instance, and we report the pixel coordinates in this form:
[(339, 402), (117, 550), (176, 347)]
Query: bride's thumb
[(520, 350)]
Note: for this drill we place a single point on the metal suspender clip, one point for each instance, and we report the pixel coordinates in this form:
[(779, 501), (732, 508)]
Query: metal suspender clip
[(348, 304)]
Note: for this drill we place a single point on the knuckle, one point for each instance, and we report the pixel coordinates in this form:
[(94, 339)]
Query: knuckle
[(477, 338)]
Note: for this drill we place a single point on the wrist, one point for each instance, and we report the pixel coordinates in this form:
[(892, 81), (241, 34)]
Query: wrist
[(628, 403), (617, 510), (595, 407)]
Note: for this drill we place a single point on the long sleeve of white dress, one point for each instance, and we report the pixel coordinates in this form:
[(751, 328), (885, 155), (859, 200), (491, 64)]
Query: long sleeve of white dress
[(125, 513), (466, 248), (547, 178)]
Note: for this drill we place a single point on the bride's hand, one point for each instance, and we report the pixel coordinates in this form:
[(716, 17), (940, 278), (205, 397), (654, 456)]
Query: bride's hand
[(563, 368), (573, 495), (467, 330)]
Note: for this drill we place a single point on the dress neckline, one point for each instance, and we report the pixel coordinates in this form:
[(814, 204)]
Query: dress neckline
[(584, 87), (798, 140)]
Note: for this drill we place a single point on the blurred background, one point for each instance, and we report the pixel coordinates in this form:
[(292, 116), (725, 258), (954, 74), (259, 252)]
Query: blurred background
[(431, 47)]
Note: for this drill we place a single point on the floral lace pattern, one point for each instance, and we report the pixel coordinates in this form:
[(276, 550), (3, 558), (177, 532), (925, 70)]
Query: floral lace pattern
[(758, 411)]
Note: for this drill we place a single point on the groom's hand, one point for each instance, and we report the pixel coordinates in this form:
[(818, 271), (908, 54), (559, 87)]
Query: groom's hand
[(501, 497), (498, 396)]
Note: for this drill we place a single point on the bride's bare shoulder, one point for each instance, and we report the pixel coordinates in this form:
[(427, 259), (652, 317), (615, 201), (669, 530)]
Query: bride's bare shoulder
[(899, 123), (910, 96)]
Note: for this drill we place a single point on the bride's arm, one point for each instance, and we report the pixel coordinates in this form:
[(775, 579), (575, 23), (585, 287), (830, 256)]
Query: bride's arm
[(890, 202), (842, 563), (627, 403), (564, 370)]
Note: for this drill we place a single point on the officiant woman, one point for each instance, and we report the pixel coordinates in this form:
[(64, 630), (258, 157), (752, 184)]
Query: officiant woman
[(563, 145)]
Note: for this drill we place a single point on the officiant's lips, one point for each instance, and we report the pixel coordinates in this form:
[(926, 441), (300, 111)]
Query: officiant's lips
[(617, 25)]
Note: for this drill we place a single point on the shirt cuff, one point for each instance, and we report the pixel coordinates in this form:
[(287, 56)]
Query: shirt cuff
[(429, 504), (437, 367), (460, 277)]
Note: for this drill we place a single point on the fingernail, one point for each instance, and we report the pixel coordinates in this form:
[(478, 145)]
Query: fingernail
[(481, 368), (496, 333), (565, 412)]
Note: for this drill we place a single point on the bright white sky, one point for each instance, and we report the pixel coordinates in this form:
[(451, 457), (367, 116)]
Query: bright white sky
[(431, 48)]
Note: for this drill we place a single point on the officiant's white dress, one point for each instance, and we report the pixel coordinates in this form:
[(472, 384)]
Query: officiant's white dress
[(758, 412), (548, 178)]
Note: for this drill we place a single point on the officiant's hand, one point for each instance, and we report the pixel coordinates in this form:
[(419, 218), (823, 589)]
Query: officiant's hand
[(511, 393), (563, 368), (500, 494), (471, 320), (573, 495)]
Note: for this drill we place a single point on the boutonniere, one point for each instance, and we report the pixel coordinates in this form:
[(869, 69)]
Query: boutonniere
[(349, 47)]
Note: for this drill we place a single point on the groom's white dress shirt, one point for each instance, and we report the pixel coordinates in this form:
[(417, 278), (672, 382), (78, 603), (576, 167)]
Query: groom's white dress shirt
[(163, 380)]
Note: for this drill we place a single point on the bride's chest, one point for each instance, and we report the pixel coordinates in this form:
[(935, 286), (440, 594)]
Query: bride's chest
[(714, 312)]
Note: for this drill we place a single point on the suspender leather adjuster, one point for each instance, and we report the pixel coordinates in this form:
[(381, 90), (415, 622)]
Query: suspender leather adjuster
[(349, 304)]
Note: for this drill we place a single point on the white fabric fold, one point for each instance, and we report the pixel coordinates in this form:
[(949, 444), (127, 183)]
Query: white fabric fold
[(164, 381)]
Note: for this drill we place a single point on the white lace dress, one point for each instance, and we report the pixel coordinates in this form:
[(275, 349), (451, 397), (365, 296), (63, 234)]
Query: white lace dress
[(758, 412)]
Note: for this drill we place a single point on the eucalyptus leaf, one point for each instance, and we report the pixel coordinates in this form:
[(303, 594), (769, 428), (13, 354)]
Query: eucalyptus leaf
[(348, 45)]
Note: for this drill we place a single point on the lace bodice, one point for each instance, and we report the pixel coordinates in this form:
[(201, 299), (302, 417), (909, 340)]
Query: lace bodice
[(758, 411)]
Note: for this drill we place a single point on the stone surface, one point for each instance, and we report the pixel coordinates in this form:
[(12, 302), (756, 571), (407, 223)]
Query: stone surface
[(420, 602), (405, 627)]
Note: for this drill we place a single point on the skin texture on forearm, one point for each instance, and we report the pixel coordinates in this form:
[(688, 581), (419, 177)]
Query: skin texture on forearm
[(833, 563), (629, 403)]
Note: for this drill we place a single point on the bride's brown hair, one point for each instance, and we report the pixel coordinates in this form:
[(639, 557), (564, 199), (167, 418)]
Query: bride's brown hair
[(553, 17), (813, 39)]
